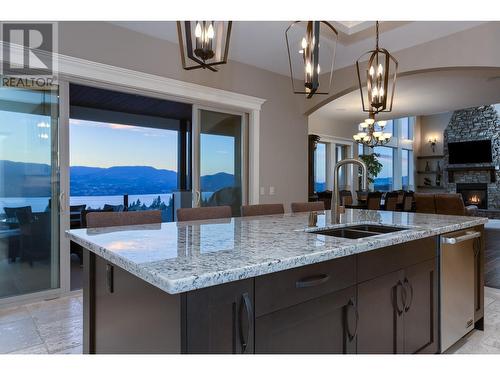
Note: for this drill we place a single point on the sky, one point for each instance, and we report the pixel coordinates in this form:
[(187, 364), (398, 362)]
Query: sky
[(97, 144)]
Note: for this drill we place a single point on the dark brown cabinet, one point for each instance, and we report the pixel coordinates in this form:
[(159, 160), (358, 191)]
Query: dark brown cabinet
[(398, 311), (325, 324), (380, 306), (220, 319), (421, 312)]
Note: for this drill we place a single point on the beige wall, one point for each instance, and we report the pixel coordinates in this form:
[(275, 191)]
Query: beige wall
[(432, 127), (321, 125), (283, 132)]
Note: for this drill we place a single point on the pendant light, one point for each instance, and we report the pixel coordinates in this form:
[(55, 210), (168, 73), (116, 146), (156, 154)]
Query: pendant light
[(311, 45), (380, 73), (204, 43)]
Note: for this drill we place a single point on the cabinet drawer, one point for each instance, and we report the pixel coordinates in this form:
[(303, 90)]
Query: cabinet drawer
[(389, 259), (282, 289)]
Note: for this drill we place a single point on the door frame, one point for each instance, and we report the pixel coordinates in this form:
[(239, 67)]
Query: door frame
[(195, 149)]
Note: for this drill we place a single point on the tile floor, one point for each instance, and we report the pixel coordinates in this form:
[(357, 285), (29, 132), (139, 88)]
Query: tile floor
[(55, 327), (48, 327)]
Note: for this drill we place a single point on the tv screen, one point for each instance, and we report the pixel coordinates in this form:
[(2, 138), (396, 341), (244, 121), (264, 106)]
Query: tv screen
[(470, 152)]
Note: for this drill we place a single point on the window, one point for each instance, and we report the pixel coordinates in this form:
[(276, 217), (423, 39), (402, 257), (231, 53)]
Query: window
[(320, 167), (360, 149), (406, 128), (406, 169), (384, 180)]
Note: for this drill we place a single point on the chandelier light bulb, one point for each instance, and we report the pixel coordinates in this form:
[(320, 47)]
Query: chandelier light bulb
[(377, 134), (380, 69), (371, 71), (197, 30), (362, 134), (387, 135), (369, 121), (304, 43), (381, 92), (374, 92), (210, 32), (382, 123), (366, 139), (308, 68)]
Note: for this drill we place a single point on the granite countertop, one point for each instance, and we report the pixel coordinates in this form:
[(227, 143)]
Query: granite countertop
[(179, 257)]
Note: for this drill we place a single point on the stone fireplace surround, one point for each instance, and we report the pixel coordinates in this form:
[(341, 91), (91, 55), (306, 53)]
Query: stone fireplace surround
[(473, 124)]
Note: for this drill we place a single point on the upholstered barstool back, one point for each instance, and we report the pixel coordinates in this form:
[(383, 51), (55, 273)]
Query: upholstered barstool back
[(115, 219), (345, 197), (307, 206), (262, 209), (391, 201), (373, 200), (449, 204), (203, 213)]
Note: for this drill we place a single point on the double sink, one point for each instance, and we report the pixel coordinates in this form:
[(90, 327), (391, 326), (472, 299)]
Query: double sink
[(357, 231)]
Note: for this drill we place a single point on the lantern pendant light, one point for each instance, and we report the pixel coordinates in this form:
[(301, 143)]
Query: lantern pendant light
[(205, 43), (304, 47), (381, 73)]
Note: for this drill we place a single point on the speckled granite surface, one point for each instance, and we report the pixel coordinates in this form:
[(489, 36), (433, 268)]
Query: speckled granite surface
[(178, 257)]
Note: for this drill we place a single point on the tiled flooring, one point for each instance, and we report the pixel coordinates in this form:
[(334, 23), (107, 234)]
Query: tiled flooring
[(48, 327), (55, 327)]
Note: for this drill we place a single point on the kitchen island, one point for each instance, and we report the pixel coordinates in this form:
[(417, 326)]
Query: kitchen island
[(269, 284)]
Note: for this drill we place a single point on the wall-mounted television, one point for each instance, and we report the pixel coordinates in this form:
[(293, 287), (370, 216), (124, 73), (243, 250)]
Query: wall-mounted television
[(470, 152)]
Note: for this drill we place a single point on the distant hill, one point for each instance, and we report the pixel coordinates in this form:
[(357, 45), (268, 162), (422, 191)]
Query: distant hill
[(32, 180)]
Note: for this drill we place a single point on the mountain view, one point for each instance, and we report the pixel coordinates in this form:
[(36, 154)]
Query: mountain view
[(32, 179)]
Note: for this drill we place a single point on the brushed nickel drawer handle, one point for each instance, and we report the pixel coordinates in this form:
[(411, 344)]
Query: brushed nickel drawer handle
[(469, 235), (311, 281)]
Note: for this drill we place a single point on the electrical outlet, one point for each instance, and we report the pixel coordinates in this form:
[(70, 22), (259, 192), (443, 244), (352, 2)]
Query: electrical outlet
[(272, 190), (262, 190)]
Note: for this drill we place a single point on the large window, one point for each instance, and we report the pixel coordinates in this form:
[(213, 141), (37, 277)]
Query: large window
[(396, 157), (320, 167), (384, 180), (406, 169)]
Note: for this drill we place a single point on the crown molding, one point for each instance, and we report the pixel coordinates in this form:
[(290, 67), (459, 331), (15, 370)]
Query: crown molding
[(68, 67)]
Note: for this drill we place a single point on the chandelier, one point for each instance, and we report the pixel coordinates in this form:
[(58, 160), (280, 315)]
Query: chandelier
[(206, 43), (372, 133), (304, 42), (379, 90)]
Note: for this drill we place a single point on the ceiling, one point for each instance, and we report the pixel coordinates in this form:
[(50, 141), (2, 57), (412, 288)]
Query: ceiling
[(262, 43), (416, 94)]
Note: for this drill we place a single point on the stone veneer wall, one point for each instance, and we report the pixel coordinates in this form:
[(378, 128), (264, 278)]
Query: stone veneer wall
[(474, 124)]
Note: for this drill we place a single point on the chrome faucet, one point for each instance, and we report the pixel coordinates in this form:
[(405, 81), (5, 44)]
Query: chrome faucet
[(335, 196)]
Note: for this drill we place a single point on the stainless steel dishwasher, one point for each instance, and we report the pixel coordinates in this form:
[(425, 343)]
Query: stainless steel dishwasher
[(457, 285)]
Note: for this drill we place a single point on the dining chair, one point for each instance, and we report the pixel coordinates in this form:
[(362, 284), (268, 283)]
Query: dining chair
[(115, 219), (11, 212), (307, 206), (345, 197), (373, 200), (408, 201), (203, 213), (392, 201), (362, 196), (262, 209)]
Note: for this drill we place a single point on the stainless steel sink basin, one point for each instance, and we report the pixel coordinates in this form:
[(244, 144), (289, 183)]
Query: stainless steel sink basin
[(357, 231)]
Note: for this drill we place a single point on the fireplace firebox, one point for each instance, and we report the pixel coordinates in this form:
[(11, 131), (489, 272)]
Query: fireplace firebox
[(476, 194)]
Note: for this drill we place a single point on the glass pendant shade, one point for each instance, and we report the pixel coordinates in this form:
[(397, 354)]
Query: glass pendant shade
[(204, 44), (380, 72), (311, 49)]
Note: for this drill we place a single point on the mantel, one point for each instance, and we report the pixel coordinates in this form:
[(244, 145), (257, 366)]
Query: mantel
[(465, 168)]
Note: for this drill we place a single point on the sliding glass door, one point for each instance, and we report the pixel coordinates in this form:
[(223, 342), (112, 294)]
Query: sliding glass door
[(219, 155), (29, 192)]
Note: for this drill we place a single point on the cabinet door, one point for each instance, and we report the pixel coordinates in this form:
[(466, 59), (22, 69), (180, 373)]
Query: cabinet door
[(421, 312), (220, 319), (325, 324), (381, 309)]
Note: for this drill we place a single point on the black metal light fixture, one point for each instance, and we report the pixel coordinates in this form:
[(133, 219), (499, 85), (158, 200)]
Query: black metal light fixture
[(304, 41), (204, 43), (382, 67)]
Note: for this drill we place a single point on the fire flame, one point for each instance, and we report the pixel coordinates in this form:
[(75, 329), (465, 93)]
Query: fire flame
[(474, 199)]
